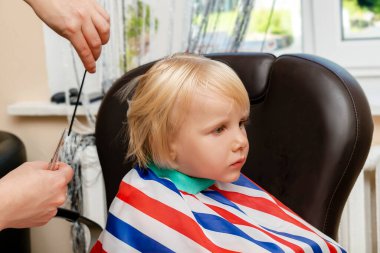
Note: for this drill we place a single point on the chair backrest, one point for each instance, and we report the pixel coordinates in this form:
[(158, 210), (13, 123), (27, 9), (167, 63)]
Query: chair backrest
[(12, 155), (310, 132)]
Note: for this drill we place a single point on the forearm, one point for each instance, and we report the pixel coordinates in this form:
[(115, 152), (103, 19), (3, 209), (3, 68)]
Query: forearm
[(4, 204)]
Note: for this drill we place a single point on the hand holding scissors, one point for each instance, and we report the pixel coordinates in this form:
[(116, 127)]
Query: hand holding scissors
[(54, 159)]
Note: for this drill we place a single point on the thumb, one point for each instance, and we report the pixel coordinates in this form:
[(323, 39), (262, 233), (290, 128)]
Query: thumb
[(36, 165), (65, 170)]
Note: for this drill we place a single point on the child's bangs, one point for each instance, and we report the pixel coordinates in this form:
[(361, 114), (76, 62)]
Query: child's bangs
[(224, 81)]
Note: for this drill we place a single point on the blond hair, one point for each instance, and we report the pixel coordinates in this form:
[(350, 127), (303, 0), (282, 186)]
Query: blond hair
[(171, 83)]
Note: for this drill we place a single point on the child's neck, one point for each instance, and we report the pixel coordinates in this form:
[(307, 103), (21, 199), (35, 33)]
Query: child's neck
[(183, 182)]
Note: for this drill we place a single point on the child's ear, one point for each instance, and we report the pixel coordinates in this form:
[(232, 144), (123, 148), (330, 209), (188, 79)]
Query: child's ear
[(173, 154)]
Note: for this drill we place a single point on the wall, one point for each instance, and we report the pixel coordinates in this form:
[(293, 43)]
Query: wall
[(23, 77), (376, 134)]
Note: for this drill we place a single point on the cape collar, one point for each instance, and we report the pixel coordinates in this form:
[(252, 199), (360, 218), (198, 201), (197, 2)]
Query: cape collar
[(183, 182)]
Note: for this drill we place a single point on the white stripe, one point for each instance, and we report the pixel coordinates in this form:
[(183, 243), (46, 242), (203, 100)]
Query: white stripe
[(199, 207), (258, 193), (244, 190), (257, 220), (314, 229), (302, 245), (154, 229), (262, 193), (233, 242), (158, 192), (280, 225), (111, 244)]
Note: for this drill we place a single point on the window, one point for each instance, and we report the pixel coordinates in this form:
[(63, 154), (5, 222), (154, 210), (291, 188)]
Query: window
[(245, 26), (146, 30), (360, 19)]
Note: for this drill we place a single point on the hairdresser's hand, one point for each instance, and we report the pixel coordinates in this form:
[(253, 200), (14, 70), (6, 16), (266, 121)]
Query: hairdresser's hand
[(30, 194), (83, 22)]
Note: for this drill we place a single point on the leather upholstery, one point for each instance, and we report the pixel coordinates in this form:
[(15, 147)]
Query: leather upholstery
[(310, 132), (12, 155), (12, 152)]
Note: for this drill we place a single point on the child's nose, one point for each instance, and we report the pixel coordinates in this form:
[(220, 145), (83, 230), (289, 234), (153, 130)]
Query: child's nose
[(241, 142)]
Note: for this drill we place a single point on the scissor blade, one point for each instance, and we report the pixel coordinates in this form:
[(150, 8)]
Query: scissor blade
[(54, 159)]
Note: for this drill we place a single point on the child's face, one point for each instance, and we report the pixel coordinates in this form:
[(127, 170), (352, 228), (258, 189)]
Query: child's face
[(212, 141)]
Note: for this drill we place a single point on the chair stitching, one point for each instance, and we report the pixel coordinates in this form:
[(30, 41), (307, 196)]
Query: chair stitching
[(356, 137)]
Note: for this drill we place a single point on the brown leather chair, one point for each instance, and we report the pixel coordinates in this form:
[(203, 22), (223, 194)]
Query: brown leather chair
[(310, 132), (12, 155)]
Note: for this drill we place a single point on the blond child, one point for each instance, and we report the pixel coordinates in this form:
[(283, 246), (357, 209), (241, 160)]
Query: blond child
[(186, 126)]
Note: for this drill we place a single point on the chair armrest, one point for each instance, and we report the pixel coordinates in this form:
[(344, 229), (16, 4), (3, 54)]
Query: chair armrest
[(72, 216)]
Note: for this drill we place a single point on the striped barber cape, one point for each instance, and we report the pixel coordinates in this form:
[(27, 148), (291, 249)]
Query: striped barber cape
[(150, 214)]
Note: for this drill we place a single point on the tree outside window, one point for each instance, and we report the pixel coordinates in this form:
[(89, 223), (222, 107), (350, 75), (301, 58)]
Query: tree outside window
[(360, 19)]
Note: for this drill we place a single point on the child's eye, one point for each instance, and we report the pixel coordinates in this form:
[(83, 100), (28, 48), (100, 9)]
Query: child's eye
[(244, 123), (219, 130)]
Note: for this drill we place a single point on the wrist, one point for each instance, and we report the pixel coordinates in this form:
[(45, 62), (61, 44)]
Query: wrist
[(28, 2), (3, 206)]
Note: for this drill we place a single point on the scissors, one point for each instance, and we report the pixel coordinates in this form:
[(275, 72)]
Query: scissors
[(53, 161)]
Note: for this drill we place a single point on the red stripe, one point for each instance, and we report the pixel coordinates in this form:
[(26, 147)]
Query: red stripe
[(166, 215), (238, 221), (260, 204), (98, 248), (331, 248), (278, 202), (274, 198), (266, 206)]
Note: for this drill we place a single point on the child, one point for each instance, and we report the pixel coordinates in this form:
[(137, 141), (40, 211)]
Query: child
[(186, 125)]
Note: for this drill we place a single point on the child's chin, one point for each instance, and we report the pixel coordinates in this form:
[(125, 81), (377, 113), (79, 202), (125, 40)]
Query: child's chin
[(231, 178)]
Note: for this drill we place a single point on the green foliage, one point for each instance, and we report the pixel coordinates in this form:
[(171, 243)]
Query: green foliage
[(373, 5), (136, 26), (135, 20), (359, 7), (281, 23)]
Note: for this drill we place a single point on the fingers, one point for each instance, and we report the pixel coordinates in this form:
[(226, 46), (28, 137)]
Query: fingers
[(83, 49), (102, 26), (50, 214), (37, 164), (89, 33), (66, 171), (84, 23), (102, 12), (92, 38), (95, 31), (45, 218), (102, 23)]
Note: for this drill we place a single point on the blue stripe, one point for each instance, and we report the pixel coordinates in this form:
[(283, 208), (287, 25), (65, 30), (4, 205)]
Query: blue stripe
[(221, 199), (147, 174), (218, 224), (133, 237), (305, 240), (244, 181)]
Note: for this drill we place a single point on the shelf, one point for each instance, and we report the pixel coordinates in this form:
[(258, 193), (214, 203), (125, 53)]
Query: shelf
[(44, 109), (375, 109)]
